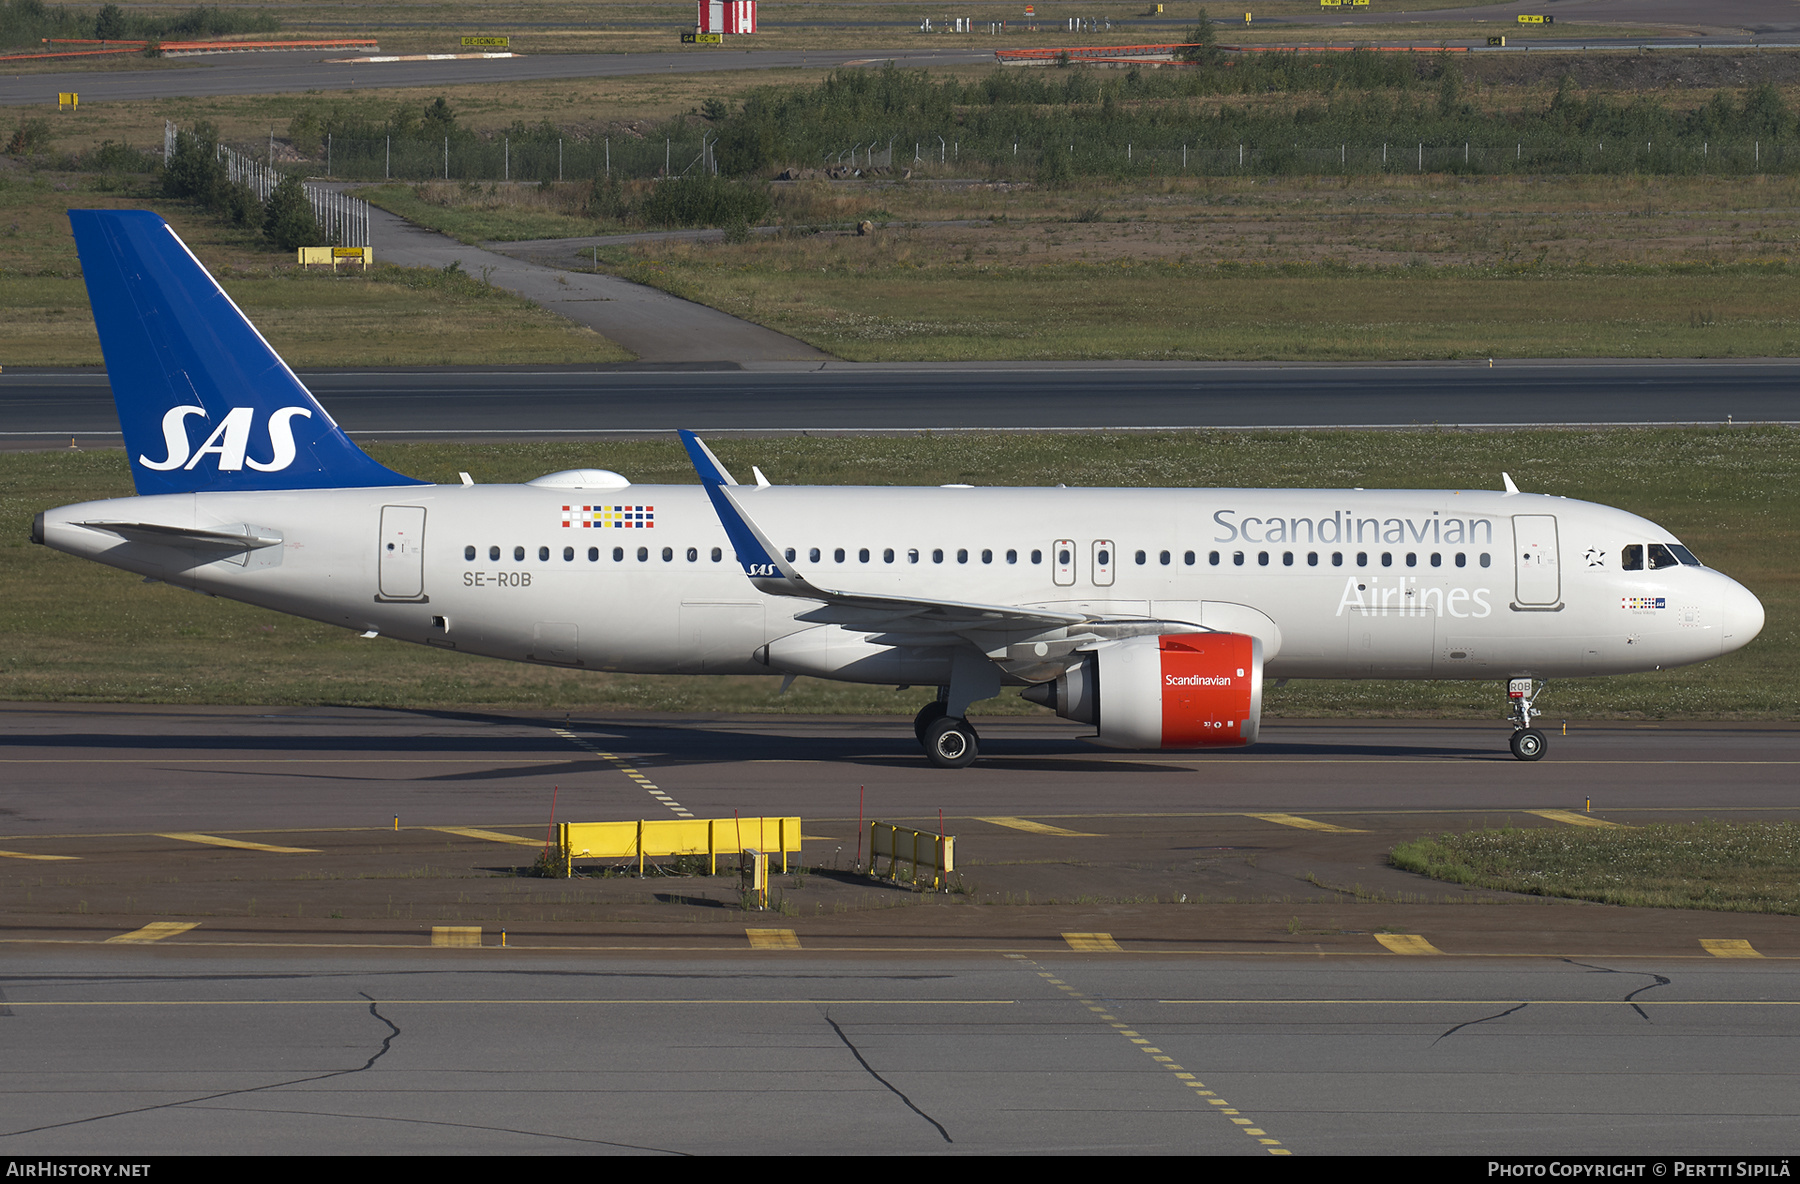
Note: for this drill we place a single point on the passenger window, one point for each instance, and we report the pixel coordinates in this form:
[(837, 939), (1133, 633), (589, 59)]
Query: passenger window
[(668, 554), (1387, 559), (1436, 559), (1461, 559), (812, 556), (1287, 559), (1337, 559), (618, 554), (1661, 558), (887, 556), (568, 554), (717, 555), (1012, 556), (1312, 559), (1037, 556), (1362, 559), (1141, 557), (937, 554), (593, 554), (693, 554), (1187, 557), (469, 553), (543, 554), (1484, 559), (1163, 558), (790, 554), (1103, 557), (643, 554), (1412, 559), (912, 554), (1262, 558), (862, 556), (987, 556), (1064, 558), (962, 554), (494, 554), (837, 556), (518, 554)]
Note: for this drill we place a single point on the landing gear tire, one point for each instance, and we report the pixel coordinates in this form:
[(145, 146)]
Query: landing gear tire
[(928, 715), (951, 743), (1528, 744)]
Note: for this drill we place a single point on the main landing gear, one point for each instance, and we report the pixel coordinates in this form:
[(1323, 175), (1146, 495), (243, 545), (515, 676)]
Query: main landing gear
[(950, 741), (942, 725), (1521, 695)]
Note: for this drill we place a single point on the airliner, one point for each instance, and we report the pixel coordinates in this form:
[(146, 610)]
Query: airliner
[(1154, 615)]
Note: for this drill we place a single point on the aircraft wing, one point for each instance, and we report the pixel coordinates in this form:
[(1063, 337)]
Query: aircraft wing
[(763, 564)]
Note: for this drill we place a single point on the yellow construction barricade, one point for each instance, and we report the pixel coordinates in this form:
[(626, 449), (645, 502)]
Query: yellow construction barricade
[(920, 848), (662, 838)]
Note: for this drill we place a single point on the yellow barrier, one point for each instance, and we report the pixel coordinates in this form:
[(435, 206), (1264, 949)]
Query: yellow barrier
[(917, 847), (335, 255), (67, 100), (662, 837)]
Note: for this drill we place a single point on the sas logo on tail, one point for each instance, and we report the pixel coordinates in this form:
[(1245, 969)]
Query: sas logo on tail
[(230, 441)]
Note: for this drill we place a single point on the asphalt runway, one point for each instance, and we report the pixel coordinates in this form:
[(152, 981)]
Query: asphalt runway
[(40, 407), (295, 73), (224, 929)]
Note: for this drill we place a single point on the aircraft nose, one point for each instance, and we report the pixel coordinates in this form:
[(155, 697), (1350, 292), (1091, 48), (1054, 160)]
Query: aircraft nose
[(1740, 617)]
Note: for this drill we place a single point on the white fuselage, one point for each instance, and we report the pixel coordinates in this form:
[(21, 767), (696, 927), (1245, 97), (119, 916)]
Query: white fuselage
[(1336, 583)]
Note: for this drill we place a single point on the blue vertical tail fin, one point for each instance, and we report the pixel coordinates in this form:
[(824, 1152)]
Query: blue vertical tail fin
[(204, 402)]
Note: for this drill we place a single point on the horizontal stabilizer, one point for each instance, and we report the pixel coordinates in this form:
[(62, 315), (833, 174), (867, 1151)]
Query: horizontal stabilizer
[(248, 538)]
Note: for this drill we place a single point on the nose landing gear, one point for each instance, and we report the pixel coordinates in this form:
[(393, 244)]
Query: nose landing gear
[(1528, 743)]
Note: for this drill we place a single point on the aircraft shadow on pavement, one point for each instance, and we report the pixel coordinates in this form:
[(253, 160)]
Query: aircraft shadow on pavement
[(710, 741)]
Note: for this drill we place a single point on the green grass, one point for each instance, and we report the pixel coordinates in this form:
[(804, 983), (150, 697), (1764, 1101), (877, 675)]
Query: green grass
[(858, 305), (476, 221), (1751, 867), (71, 630)]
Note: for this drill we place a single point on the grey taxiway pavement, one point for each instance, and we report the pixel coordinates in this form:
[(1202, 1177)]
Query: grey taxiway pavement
[(163, 993), (113, 1052), (40, 407)]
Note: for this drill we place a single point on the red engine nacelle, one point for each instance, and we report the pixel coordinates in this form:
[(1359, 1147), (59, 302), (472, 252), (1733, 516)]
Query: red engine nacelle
[(1175, 690)]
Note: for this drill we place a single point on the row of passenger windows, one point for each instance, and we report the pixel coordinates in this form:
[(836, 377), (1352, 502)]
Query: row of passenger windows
[(1410, 559), (1063, 557)]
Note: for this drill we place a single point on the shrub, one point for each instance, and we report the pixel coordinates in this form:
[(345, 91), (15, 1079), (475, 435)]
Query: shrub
[(704, 200), (288, 218)]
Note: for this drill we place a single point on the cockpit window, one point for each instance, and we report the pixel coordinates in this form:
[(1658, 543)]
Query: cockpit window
[(1633, 559), (1686, 556), (1660, 557)]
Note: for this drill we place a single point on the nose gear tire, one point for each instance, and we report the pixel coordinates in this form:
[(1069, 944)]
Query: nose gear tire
[(1528, 744)]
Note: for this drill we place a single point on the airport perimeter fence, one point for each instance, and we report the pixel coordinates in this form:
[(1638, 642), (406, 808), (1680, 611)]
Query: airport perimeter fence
[(342, 219), (504, 158), (544, 160), (1167, 158)]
